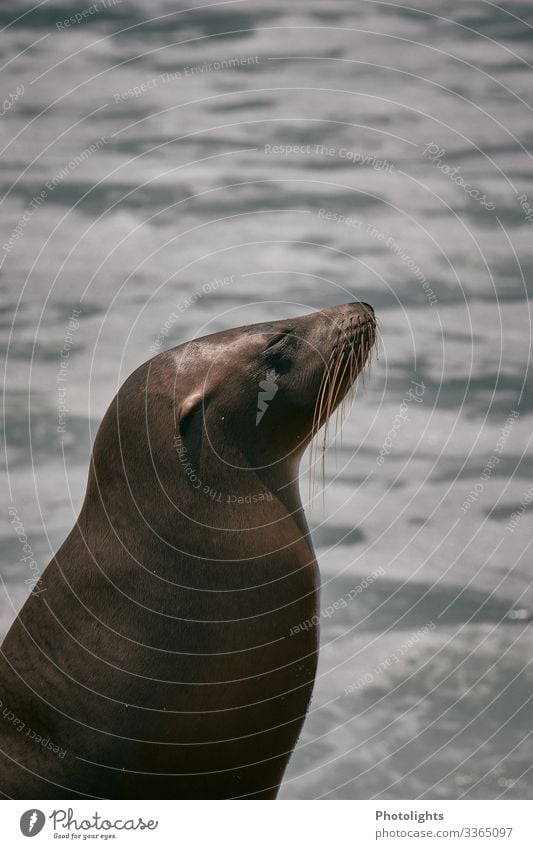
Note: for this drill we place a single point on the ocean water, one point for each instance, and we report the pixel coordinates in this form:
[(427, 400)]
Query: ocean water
[(169, 169)]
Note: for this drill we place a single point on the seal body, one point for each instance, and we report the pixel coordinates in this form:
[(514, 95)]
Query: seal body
[(160, 655)]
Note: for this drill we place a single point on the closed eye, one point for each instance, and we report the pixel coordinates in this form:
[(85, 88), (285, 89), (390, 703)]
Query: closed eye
[(274, 341), (280, 337)]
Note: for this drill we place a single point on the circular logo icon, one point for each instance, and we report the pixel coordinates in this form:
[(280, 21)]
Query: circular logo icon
[(31, 822)]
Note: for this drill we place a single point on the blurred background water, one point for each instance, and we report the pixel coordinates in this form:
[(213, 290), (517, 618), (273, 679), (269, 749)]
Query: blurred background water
[(240, 161)]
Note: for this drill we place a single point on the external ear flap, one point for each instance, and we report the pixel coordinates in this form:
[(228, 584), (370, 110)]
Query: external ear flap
[(191, 426), (187, 408)]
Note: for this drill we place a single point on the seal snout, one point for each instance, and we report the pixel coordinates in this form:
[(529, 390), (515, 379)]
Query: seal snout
[(358, 310), (363, 312), (351, 333), (354, 325)]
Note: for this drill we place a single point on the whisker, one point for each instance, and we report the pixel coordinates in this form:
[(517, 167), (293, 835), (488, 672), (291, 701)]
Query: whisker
[(347, 363), (317, 417)]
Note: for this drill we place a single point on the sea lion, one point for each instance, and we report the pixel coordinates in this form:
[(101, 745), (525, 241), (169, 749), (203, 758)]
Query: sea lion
[(160, 656)]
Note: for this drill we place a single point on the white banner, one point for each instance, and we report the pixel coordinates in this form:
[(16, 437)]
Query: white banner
[(260, 825)]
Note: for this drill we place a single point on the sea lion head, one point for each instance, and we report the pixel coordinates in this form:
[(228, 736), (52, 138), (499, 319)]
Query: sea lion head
[(224, 420), (256, 395)]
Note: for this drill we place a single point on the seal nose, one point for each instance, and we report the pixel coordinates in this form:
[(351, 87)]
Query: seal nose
[(367, 308), (362, 312), (365, 312)]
